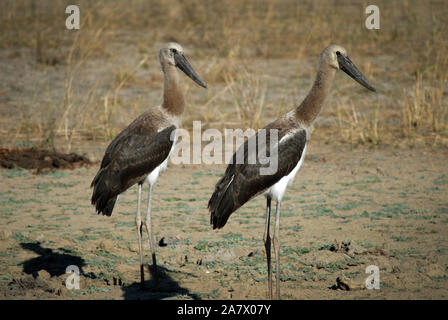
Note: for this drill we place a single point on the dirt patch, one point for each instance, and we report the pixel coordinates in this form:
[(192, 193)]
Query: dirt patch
[(40, 160), (338, 218)]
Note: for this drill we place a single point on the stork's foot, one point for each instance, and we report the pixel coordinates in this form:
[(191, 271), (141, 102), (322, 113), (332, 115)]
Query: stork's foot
[(154, 273), (142, 285)]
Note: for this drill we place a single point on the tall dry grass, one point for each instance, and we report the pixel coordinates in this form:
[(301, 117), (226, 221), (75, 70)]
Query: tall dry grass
[(356, 127), (424, 110), (409, 51), (249, 96)]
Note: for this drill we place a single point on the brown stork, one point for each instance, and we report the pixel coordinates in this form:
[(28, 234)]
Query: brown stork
[(140, 152), (243, 181)]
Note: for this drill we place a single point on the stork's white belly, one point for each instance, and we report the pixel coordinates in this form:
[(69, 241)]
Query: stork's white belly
[(154, 175), (277, 191), (151, 179)]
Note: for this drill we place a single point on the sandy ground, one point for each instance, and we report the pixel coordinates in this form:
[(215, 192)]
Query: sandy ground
[(347, 209)]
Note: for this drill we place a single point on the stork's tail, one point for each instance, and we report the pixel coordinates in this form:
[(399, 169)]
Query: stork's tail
[(102, 198), (222, 203)]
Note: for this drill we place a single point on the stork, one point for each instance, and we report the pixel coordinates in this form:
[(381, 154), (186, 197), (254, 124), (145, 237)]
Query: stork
[(140, 152), (243, 181)]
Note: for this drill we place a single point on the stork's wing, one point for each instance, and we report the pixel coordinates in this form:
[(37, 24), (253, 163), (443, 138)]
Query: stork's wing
[(128, 160), (241, 182), (131, 138)]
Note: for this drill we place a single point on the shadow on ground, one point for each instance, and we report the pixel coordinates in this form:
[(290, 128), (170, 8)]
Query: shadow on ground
[(167, 289), (55, 263)]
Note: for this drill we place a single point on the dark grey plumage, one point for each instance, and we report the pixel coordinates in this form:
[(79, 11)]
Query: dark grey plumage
[(129, 158), (242, 182)]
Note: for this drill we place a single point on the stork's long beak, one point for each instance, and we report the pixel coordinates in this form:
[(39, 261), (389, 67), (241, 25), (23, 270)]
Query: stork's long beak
[(346, 65), (183, 64)]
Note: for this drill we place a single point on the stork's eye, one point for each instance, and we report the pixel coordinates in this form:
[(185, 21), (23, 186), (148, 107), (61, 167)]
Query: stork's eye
[(338, 53), (173, 50)]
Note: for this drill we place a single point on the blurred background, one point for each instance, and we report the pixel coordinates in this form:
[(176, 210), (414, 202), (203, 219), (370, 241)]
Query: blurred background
[(74, 89)]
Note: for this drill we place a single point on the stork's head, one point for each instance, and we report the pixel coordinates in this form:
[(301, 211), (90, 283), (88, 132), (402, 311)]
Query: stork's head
[(172, 54), (336, 57)]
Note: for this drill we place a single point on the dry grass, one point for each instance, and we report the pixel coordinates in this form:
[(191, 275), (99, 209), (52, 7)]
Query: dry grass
[(111, 74), (356, 127), (249, 94), (423, 110)]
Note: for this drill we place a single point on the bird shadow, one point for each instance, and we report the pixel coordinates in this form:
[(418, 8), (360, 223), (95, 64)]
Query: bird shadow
[(168, 288), (54, 262)]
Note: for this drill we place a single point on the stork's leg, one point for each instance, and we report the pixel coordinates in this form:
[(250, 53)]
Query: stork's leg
[(138, 223), (148, 225), (276, 241), (267, 244)]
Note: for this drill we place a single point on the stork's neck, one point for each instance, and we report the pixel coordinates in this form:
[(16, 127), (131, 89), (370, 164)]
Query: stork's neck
[(311, 106), (173, 97)]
